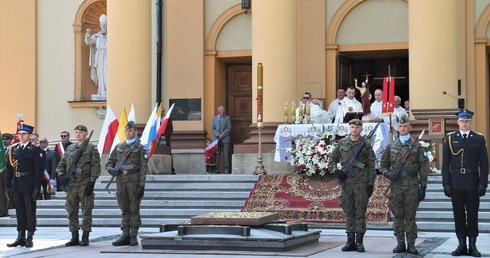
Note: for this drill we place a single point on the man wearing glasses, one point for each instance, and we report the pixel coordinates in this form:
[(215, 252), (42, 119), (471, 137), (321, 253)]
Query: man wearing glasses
[(59, 150), (317, 114)]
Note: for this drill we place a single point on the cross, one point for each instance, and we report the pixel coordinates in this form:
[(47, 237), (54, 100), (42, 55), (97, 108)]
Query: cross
[(367, 77)]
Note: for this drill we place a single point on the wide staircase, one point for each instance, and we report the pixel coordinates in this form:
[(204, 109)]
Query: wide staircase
[(171, 199)]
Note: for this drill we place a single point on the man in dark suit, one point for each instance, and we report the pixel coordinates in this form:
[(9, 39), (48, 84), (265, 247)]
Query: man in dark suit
[(221, 127), (59, 150), (22, 182), (465, 179), (48, 161)]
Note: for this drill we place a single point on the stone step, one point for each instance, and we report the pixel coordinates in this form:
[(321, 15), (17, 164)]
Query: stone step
[(156, 204), (105, 213), (172, 195)]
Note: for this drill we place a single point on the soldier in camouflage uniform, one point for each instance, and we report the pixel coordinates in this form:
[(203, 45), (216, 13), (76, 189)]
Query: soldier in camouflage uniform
[(357, 190), (408, 188), (80, 191), (130, 183)]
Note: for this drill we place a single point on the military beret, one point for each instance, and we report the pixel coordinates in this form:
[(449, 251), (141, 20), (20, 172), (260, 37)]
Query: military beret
[(7, 136), (404, 119), (131, 125), (355, 121), (464, 114), (81, 128), (26, 128)]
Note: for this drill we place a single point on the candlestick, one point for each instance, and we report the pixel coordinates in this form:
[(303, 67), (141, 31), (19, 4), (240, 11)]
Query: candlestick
[(292, 113), (286, 112), (307, 112)]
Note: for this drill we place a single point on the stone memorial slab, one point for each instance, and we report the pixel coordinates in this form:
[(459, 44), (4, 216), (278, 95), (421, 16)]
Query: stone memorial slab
[(235, 218)]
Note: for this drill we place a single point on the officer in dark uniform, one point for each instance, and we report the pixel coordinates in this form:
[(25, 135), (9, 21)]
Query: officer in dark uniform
[(465, 179), (22, 182)]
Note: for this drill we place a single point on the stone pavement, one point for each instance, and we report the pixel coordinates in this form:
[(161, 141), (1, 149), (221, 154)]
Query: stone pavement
[(49, 242)]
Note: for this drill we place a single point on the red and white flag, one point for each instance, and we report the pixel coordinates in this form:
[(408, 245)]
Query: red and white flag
[(108, 132), (163, 126), (47, 179)]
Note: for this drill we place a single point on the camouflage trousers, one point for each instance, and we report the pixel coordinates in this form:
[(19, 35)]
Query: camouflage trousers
[(74, 197), (353, 201), (129, 204), (404, 203)]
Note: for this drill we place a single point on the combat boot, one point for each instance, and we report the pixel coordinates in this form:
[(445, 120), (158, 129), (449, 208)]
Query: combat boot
[(133, 241), (123, 240), (85, 236), (411, 247), (29, 242), (359, 242), (350, 245), (21, 239), (74, 239), (472, 251), (400, 248), (461, 250)]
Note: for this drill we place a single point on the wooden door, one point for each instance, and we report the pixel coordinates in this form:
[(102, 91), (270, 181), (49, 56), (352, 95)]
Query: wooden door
[(239, 99)]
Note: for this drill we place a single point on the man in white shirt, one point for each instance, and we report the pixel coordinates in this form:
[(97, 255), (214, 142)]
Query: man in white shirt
[(348, 104), (377, 107), (399, 111), (332, 109)]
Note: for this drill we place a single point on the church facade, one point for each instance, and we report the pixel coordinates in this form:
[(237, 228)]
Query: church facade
[(210, 50)]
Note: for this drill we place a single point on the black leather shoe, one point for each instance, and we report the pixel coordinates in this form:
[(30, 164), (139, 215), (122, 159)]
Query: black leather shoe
[(461, 249)]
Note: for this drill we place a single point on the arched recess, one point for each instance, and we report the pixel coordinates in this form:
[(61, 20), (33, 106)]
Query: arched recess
[(87, 16), (482, 76), (215, 64), (482, 24), (218, 25), (332, 49)]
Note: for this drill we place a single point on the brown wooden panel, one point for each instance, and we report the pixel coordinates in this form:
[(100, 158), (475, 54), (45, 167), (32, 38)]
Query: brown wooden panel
[(240, 101)]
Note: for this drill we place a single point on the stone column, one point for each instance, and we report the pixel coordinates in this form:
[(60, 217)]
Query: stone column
[(129, 57), (433, 57), (274, 44)]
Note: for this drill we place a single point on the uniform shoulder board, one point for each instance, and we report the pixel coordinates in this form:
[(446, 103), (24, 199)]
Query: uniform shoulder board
[(452, 132), (15, 144), (479, 133)]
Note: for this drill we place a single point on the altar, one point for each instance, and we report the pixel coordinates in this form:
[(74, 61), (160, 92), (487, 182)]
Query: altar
[(286, 133)]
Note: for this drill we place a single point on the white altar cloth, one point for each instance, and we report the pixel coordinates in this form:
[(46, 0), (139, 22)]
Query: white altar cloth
[(287, 132)]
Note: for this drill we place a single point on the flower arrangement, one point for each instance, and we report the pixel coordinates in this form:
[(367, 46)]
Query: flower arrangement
[(430, 153), (310, 157)]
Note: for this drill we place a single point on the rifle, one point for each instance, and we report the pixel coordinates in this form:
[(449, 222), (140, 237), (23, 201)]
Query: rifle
[(120, 162), (353, 158), (70, 172), (402, 160)]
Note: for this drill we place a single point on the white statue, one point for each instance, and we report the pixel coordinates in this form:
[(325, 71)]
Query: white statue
[(98, 55)]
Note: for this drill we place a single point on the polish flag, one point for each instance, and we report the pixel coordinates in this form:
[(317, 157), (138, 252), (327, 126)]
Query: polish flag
[(163, 126), (108, 132)]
